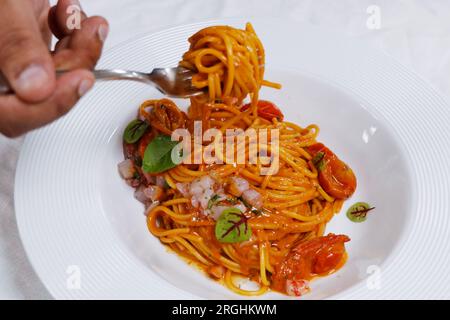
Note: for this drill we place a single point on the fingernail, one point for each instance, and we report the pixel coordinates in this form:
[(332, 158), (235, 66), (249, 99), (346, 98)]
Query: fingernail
[(32, 78), (84, 86), (103, 32)]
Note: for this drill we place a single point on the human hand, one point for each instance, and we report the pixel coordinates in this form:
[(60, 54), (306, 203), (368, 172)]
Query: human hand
[(26, 27)]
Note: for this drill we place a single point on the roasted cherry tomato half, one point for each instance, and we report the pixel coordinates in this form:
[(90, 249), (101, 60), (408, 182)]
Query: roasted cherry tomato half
[(335, 177), (318, 256), (266, 110)]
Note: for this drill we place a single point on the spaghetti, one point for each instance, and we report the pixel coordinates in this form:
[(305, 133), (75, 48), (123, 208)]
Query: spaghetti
[(229, 62), (272, 225)]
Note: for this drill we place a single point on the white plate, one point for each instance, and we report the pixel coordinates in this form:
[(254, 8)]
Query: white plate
[(79, 221)]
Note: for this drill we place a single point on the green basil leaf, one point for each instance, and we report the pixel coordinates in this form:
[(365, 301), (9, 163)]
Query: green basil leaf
[(232, 226), (358, 212), (158, 155), (134, 131)]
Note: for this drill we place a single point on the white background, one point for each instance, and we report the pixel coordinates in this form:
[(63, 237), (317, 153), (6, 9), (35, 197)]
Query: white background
[(415, 32)]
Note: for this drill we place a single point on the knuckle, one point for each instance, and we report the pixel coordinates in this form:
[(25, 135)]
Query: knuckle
[(15, 38), (18, 40)]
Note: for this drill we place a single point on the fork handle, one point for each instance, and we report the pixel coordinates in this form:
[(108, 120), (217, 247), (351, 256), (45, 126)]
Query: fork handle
[(118, 74), (100, 75)]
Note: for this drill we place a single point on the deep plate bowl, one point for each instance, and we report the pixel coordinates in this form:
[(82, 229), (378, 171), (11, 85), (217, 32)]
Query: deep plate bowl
[(75, 213)]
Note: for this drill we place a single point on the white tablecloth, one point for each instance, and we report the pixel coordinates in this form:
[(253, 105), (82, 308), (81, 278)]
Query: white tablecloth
[(416, 32)]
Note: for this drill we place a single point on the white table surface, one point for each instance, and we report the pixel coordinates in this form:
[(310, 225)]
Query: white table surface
[(415, 32)]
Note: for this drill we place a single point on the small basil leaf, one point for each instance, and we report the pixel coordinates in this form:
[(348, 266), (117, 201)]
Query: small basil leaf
[(358, 212), (245, 203), (319, 161), (232, 226), (158, 155), (134, 131), (249, 206), (213, 201)]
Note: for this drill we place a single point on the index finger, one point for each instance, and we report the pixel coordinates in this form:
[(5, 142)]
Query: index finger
[(18, 117)]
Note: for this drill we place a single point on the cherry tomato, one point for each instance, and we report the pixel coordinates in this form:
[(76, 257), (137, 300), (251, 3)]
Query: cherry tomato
[(335, 177), (313, 257), (266, 110)]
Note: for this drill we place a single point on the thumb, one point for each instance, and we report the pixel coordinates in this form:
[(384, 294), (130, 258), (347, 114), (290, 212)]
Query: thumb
[(25, 60)]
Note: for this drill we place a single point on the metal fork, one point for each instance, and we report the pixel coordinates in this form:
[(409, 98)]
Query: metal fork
[(173, 82)]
